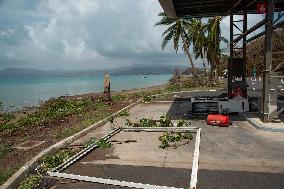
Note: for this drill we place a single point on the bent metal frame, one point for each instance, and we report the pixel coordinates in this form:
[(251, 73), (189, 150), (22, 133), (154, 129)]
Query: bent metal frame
[(57, 172)]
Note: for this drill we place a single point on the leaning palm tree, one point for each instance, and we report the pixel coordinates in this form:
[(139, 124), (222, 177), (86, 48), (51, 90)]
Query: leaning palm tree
[(197, 31), (214, 39), (176, 32)]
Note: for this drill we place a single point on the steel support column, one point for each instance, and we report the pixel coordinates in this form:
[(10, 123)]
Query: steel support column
[(231, 53), (245, 28), (268, 62), (237, 53)]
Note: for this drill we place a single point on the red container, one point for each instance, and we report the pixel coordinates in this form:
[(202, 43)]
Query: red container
[(218, 119)]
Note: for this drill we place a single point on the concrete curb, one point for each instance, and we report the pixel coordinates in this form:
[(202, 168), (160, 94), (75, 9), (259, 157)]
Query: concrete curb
[(25, 170), (257, 126)]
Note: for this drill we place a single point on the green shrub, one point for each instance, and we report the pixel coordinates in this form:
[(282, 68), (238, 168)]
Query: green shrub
[(165, 121), (90, 142), (144, 122), (124, 113), (172, 137), (147, 98), (8, 126), (102, 143), (32, 119), (6, 117), (51, 161), (182, 123), (31, 182)]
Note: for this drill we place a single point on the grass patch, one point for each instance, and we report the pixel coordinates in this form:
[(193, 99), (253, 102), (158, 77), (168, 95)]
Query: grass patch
[(8, 126), (7, 174), (52, 110), (67, 132), (119, 98), (5, 149)]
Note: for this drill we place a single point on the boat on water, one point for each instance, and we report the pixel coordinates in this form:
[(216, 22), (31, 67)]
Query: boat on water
[(143, 76)]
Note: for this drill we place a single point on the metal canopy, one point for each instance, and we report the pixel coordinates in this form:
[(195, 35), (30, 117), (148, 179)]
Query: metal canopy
[(206, 8)]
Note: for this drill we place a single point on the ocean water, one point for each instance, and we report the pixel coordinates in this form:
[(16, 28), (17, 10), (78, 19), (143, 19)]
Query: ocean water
[(20, 92)]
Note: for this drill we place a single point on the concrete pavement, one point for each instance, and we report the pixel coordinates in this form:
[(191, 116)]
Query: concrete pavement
[(239, 156)]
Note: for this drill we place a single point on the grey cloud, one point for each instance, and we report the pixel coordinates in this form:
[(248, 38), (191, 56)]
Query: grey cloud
[(52, 34)]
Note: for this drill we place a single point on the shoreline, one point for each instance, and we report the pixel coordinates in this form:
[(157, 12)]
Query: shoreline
[(34, 93), (94, 94)]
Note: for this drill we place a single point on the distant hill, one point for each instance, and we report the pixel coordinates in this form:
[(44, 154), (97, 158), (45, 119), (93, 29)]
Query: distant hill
[(147, 69), (21, 72), (129, 70)]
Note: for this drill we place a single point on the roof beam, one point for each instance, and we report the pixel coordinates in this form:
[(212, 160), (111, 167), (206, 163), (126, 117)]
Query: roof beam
[(168, 7), (278, 25)]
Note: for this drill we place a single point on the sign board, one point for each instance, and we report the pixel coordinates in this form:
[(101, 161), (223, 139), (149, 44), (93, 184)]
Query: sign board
[(261, 8)]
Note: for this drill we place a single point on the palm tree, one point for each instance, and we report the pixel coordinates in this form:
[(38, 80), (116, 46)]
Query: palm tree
[(177, 32), (197, 32), (214, 39)]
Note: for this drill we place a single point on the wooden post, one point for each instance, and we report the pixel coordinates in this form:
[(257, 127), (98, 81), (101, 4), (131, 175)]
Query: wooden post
[(107, 87)]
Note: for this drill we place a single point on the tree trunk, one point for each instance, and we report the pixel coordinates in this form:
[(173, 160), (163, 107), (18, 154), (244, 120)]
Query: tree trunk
[(186, 50), (204, 65), (211, 77)]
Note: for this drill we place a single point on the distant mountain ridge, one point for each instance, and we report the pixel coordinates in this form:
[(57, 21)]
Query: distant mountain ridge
[(129, 70)]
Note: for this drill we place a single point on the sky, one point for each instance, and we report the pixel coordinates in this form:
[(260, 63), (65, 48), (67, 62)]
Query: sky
[(85, 34)]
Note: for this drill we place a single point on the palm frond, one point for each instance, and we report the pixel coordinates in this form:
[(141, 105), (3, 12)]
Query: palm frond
[(167, 38), (168, 30), (177, 35)]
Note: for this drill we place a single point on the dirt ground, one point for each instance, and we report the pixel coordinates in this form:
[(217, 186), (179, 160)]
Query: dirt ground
[(48, 134), (52, 132)]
